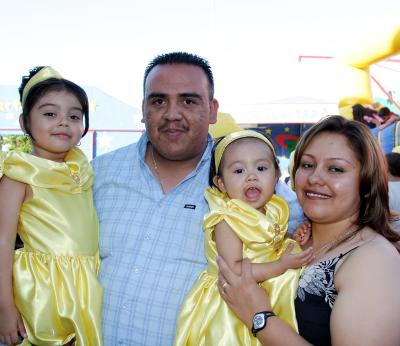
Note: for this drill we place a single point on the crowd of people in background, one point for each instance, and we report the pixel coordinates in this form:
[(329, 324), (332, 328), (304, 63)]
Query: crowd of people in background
[(374, 115)]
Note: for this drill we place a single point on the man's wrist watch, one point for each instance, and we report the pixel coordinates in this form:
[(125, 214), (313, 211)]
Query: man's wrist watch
[(260, 321)]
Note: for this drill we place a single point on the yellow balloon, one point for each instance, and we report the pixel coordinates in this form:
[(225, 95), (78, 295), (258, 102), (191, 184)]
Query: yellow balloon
[(225, 124), (357, 83)]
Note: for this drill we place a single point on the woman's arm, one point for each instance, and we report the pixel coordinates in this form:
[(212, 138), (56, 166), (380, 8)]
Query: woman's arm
[(12, 195), (245, 297), (230, 247), (367, 309)]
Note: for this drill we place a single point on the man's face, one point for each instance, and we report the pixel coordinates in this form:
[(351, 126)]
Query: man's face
[(177, 110)]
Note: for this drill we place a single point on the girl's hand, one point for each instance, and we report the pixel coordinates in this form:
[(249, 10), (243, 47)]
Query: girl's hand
[(302, 234), (11, 326), (241, 292), (298, 260)]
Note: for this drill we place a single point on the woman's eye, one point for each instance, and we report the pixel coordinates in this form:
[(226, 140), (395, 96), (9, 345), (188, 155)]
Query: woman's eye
[(336, 169), (306, 165)]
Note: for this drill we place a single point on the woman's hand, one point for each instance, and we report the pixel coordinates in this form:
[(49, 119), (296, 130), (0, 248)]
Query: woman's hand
[(241, 292)]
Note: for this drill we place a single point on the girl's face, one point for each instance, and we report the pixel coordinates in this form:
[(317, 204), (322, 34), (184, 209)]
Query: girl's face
[(248, 172), (56, 124), (328, 179)]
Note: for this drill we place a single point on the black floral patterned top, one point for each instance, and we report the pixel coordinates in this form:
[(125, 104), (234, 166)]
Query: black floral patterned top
[(315, 298)]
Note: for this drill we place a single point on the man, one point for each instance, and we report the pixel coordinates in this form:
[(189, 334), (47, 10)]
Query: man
[(150, 203)]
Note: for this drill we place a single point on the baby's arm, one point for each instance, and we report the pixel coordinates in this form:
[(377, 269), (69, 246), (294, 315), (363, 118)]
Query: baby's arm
[(230, 248), (265, 271), (12, 195), (302, 235)]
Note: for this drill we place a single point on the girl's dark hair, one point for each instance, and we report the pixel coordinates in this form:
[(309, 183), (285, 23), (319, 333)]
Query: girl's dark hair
[(213, 171), (373, 190), (51, 84)]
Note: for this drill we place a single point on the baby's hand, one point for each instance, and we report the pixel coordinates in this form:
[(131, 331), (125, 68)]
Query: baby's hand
[(302, 234), (298, 260), (11, 326)]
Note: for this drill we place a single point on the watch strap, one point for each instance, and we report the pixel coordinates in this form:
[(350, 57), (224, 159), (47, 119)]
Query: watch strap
[(266, 315)]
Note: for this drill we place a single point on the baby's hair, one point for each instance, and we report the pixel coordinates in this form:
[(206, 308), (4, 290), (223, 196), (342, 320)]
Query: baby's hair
[(213, 171), (45, 86)]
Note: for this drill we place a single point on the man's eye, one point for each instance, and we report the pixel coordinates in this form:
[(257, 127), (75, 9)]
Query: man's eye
[(189, 102), (157, 102)]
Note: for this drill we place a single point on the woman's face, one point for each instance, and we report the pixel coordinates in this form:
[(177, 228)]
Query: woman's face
[(328, 178)]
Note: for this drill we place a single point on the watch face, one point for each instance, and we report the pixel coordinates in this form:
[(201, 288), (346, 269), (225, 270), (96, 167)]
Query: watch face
[(259, 321)]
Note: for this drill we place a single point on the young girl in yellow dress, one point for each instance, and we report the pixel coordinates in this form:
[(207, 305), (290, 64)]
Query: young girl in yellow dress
[(246, 219), (49, 293)]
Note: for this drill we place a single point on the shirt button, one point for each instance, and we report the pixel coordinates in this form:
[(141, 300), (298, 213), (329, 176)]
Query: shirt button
[(136, 270)]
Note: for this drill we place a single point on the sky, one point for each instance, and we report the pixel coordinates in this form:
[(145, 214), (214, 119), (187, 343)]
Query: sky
[(253, 46)]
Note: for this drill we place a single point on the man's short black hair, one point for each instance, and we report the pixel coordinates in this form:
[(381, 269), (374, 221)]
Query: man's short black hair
[(182, 58)]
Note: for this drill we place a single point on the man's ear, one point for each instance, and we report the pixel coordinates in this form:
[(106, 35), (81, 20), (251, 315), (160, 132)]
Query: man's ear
[(217, 180), (214, 105), (142, 120)]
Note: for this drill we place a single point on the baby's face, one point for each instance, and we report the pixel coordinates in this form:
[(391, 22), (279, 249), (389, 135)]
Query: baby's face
[(248, 172)]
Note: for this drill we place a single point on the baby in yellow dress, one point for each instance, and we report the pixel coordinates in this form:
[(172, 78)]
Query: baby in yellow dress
[(49, 292), (246, 219)]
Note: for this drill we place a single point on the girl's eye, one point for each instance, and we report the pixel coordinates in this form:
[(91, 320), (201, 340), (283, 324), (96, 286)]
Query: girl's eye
[(262, 168), (50, 114), (75, 117), (238, 171)]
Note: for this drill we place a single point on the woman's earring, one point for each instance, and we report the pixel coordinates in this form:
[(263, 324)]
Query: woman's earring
[(79, 144)]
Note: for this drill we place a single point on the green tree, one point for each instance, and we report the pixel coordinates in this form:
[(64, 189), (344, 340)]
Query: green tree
[(15, 142)]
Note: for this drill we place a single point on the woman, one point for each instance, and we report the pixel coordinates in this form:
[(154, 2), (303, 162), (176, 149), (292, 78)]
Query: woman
[(349, 294)]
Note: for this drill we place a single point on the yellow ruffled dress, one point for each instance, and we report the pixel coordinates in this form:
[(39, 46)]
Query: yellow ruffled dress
[(55, 274), (205, 319)]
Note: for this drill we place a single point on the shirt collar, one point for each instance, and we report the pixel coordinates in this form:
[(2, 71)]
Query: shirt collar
[(205, 159)]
